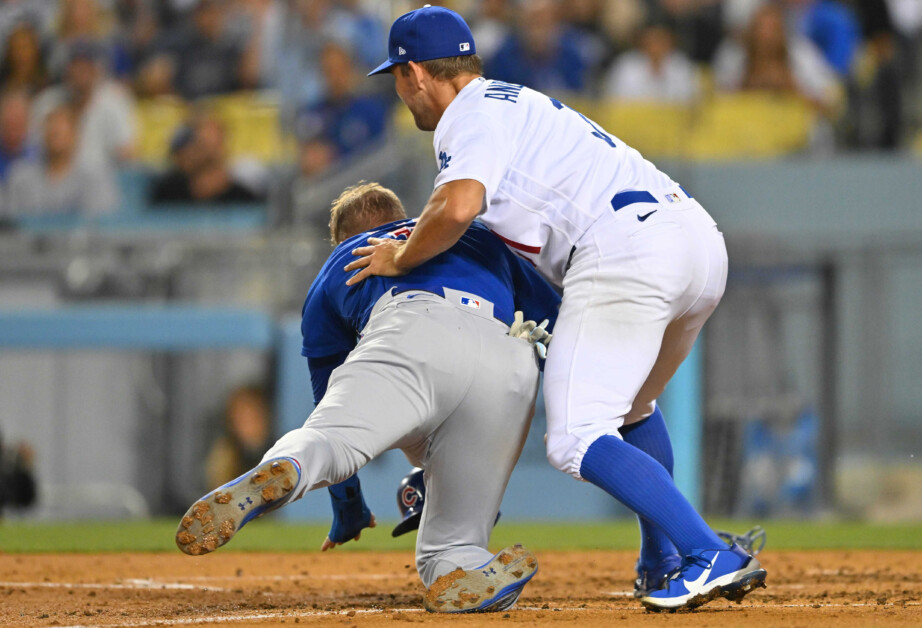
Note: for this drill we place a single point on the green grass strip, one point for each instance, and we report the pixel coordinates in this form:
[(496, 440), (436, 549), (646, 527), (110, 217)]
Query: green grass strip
[(271, 536)]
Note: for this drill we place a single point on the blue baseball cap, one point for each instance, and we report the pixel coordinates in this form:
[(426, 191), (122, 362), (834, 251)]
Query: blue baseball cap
[(424, 34)]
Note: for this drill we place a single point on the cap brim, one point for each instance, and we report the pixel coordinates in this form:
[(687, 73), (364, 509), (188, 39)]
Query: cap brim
[(407, 525), (381, 69)]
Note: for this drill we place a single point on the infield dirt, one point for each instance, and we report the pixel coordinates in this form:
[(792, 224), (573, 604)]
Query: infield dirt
[(843, 589)]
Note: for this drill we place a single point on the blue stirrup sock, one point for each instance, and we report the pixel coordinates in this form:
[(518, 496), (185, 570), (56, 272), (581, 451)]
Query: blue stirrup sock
[(651, 436), (642, 484)]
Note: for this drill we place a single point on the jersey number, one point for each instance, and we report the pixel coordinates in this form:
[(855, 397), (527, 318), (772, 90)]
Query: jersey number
[(596, 131)]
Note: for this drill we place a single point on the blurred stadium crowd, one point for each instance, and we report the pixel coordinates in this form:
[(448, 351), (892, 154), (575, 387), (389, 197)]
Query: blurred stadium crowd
[(236, 101)]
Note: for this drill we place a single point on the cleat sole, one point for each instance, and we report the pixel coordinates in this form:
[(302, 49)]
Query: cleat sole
[(736, 591), (495, 586), (213, 520)]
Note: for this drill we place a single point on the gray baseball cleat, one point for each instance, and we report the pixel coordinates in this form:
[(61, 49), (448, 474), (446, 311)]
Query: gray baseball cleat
[(214, 519), (494, 586)]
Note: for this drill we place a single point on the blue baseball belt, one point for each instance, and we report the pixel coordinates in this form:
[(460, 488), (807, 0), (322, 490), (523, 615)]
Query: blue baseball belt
[(623, 199)]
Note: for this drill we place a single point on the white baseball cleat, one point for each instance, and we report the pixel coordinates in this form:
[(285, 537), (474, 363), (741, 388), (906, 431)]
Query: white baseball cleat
[(494, 586)]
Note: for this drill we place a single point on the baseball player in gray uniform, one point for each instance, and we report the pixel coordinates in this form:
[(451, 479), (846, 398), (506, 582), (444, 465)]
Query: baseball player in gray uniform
[(424, 363), (641, 264)]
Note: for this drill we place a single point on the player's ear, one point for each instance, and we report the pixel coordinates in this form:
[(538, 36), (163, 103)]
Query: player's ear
[(418, 74)]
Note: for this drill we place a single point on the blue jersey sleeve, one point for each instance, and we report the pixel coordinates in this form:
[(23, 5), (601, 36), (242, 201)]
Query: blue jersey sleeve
[(327, 336), (532, 294), (324, 329)]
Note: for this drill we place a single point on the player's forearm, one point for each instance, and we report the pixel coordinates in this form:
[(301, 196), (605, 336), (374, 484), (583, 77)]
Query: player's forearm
[(435, 233), (347, 489), (447, 215)]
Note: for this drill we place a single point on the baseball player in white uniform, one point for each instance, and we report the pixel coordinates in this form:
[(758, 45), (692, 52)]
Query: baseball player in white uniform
[(641, 263)]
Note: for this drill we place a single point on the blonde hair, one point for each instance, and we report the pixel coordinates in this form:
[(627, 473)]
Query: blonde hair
[(361, 207)]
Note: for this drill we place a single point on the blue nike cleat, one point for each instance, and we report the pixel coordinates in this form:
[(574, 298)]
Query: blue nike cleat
[(705, 575), (654, 578), (213, 520), (494, 586)]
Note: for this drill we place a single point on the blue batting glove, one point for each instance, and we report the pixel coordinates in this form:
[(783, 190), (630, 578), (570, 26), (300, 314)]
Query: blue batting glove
[(350, 513)]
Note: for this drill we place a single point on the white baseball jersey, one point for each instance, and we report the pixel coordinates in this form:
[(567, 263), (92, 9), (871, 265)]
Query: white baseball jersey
[(549, 171)]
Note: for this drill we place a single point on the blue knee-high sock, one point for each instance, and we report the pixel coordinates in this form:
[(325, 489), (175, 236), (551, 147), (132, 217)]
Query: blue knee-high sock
[(652, 437), (643, 485)]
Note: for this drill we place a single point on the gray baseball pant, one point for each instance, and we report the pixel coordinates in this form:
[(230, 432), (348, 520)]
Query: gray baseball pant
[(448, 386)]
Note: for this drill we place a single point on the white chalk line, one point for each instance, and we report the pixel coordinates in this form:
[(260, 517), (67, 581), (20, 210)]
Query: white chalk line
[(851, 605), (223, 619), (319, 576), (152, 584), (183, 582), (127, 584), (803, 605)]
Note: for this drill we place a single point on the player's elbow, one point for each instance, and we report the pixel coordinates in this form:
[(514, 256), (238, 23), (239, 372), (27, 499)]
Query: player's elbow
[(459, 214), (461, 200)]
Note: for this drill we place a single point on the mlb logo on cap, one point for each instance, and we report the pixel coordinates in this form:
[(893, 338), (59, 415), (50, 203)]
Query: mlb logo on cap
[(469, 302), (425, 34)]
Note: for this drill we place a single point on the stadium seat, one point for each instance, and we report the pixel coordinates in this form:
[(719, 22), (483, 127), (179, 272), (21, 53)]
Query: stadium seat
[(748, 125), (252, 122), (728, 126), (253, 127), (655, 129), (157, 120)]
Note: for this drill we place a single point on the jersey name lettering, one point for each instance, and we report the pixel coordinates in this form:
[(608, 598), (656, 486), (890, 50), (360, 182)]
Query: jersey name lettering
[(499, 90), (401, 234)]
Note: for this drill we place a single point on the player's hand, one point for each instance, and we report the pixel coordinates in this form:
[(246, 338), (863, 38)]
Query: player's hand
[(328, 544), (380, 258), (351, 514), (536, 335), (520, 327)]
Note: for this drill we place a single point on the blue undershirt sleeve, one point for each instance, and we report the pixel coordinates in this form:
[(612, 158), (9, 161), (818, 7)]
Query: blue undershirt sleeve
[(533, 295), (321, 369)]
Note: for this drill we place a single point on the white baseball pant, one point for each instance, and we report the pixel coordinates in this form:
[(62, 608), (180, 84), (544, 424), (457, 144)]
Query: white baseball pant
[(639, 288)]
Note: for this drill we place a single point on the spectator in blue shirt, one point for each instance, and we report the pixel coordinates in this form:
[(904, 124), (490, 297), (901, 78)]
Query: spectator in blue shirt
[(345, 120), (368, 33), (292, 37), (834, 29), (541, 53)]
